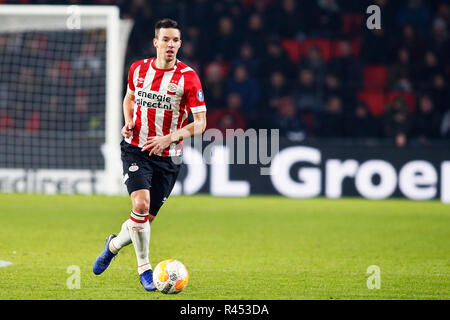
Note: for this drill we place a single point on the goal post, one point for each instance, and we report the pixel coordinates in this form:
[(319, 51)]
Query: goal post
[(61, 92)]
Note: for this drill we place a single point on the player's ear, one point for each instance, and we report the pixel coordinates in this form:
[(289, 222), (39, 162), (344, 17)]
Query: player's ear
[(155, 41)]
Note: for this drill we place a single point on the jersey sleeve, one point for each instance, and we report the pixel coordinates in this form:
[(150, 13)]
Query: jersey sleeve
[(131, 86), (194, 93)]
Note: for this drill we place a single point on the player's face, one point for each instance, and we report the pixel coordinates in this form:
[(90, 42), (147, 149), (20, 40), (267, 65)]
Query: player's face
[(167, 43)]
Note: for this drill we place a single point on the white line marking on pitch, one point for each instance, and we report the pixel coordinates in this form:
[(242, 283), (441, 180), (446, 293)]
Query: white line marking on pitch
[(4, 263)]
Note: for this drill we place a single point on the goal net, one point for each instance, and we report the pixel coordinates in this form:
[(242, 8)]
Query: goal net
[(61, 84)]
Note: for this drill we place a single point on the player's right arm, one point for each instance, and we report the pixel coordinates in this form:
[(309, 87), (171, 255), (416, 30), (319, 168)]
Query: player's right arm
[(128, 104)]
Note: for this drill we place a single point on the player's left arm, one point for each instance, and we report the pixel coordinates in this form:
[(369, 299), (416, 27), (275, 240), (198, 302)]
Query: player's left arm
[(196, 104), (157, 144)]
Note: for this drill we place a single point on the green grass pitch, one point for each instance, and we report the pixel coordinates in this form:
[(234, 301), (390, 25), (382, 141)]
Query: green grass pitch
[(234, 248)]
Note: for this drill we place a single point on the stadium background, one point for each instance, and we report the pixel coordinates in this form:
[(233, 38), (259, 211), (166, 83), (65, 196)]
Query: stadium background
[(312, 69), (310, 66)]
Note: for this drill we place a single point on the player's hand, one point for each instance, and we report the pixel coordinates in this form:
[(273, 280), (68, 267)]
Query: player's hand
[(127, 129), (156, 144)]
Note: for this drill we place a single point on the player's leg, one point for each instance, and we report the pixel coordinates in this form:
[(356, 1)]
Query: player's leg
[(139, 231), (138, 186), (163, 178), (123, 238), (134, 230), (137, 177), (140, 203), (139, 228), (150, 202)]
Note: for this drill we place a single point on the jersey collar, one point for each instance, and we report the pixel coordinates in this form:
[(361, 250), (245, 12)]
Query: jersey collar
[(152, 63)]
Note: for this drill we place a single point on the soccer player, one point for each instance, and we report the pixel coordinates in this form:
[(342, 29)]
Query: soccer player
[(161, 92)]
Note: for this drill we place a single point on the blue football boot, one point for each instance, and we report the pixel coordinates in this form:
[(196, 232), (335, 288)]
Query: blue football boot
[(104, 259), (146, 279)]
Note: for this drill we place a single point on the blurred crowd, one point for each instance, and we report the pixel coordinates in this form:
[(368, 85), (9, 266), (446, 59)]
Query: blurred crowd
[(311, 68), (52, 81)]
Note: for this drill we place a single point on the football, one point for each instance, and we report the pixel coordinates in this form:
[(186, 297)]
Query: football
[(170, 276)]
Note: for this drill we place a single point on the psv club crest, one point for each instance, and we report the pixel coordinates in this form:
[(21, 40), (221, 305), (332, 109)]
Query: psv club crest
[(134, 167), (172, 87)]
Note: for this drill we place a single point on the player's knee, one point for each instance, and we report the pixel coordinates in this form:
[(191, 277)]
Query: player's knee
[(141, 206)]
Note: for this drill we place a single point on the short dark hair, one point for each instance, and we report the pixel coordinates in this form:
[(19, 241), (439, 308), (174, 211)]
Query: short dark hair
[(166, 23)]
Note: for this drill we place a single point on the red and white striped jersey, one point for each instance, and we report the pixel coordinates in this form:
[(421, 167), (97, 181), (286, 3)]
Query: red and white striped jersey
[(163, 99)]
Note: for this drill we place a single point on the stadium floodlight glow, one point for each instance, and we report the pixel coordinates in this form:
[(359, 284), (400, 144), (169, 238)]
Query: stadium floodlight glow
[(65, 31)]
